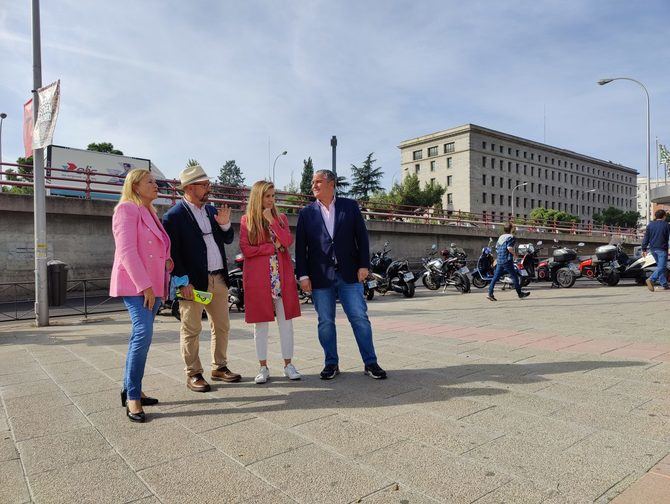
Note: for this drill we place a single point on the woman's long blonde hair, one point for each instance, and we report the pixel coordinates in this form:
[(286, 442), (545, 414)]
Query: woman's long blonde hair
[(133, 177), (257, 226)]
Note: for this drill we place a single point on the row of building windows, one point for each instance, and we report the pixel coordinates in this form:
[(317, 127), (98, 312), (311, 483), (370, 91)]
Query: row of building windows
[(519, 202), (433, 151), (583, 168), (530, 187), (562, 177)]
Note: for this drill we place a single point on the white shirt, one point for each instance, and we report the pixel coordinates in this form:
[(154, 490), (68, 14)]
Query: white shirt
[(214, 259), (328, 214)]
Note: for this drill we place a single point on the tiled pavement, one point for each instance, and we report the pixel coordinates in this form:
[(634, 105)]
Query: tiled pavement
[(562, 397)]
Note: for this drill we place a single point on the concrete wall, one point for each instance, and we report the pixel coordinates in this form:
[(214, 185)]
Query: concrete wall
[(79, 233)]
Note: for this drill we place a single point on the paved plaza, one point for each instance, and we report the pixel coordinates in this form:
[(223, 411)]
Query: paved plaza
[(562, 397)]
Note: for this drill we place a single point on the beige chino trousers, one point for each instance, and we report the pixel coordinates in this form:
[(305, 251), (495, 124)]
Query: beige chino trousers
[(191, 327)]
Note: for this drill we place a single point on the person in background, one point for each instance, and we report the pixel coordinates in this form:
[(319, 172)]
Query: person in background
[(656, 238), (139, 274), (332, 259), (199, 233), (269, 281), (505, 262)]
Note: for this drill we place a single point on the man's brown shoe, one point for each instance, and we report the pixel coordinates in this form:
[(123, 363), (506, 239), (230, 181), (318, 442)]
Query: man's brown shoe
[(650, 285), (197, 383), (226, 375)]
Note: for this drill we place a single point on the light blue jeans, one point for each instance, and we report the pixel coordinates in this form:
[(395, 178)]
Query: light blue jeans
[(142, 320), (659, 275), (356, 309)]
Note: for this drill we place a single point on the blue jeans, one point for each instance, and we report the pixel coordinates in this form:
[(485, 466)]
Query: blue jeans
[(501, 269), (142, 330), (661, 256), (354, 305)]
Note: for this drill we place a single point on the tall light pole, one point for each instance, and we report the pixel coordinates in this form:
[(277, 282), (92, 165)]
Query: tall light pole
[(333, 146), (39, 193), (514, 201), (602, 82), (2, 168), (275, 163)]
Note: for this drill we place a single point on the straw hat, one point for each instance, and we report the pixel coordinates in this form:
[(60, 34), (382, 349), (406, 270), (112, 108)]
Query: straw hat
[(191, 175)]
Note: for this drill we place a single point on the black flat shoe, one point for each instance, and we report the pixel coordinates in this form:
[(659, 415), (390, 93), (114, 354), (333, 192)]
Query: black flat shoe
[(135, 417), (145, 401)]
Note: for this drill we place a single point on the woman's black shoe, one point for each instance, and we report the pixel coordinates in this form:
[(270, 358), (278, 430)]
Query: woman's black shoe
[(145, 401), (135, 417)]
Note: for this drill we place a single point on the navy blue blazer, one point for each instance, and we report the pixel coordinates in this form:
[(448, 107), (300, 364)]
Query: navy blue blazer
[(319, 256), (188, 249)]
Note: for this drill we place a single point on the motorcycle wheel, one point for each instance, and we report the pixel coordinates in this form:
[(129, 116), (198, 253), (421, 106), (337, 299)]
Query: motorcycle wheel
[(408, 290), (175, 310), (369, 294), (565, 278), (429, 282), (525, 281), (612, 279), (479, 282), (461, 283)]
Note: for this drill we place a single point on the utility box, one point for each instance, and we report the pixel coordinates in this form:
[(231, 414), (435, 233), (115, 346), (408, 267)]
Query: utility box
[(56, 282)]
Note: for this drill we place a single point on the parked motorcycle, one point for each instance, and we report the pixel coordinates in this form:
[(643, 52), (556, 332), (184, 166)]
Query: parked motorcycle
[(236, 287), (561, 265), (525, 265), (449, 269), (642, 268), (387, 274)]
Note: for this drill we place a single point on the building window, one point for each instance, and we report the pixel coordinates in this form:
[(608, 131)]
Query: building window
[(532, 156), (416, 168), (493, 181), (448, 180), (509, 151), (483, 145), (448, 147), (483, 197), (484, 161), (501, 182), (502, 200), (509, 183), (525, 202), (501, 149), (517, 152), (501, 164), (448, 162), (417, 154), (450, 199), (432, 151), (509, 167), (432, 166), (509, 201), (484, 179), (532, 187), (525, 155)]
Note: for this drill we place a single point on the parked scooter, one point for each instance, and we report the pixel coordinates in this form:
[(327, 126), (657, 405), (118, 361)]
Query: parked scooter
[(643, 268), (525, 265), (447, 269), (560, 266), (236, 288), (387, 274), (529, 261)]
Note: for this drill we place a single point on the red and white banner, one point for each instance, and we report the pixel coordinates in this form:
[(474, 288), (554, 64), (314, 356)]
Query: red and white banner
[(28, 127), (47, 113)]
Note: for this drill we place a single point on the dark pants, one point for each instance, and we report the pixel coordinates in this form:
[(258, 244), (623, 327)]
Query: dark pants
[(501, 269)]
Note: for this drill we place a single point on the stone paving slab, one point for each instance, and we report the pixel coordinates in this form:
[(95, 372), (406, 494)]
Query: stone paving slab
[(558, 398)]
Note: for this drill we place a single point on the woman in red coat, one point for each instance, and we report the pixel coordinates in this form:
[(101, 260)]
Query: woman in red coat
[(269, 281)]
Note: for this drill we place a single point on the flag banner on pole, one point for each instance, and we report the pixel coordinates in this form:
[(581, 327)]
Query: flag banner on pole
[(664, 154), (28, 127), (49, 101)]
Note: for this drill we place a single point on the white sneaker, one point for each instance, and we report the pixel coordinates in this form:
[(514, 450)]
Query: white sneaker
[(291, 372), (263, 375)]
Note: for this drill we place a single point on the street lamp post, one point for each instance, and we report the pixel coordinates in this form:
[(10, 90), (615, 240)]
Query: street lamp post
[(275, 164), (602, 82), (514, 201), (2, 168)]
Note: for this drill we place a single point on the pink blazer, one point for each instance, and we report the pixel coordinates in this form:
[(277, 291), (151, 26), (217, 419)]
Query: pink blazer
[(258, 306), (142, 248)]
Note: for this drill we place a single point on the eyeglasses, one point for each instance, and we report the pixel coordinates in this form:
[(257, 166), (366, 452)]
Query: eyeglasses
[(203, 184)]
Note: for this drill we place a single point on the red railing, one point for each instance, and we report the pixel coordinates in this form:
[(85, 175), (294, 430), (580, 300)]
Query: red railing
[(89, 184)]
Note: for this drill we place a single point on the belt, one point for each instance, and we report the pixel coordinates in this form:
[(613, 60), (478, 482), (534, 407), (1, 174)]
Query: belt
[(217, 272)]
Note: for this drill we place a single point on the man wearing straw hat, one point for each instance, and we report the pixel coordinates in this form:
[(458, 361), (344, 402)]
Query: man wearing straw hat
[(198, 233)]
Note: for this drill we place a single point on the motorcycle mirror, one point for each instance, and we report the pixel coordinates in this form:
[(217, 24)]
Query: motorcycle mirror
[(539, 242), (386, 243), (555, 240), (580, 244), (452, 245), (434, 246)]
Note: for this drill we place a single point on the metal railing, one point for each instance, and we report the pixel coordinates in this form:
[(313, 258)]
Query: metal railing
[(88, 185)]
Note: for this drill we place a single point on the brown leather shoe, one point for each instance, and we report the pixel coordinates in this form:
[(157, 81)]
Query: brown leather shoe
[(197, 383), (226, 375)]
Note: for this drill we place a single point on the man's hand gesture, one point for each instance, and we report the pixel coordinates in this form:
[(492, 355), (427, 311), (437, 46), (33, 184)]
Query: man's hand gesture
[(222, 216)]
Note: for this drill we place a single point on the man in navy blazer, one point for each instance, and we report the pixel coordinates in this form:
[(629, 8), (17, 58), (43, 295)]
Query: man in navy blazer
[(332, 260), (198, 233)]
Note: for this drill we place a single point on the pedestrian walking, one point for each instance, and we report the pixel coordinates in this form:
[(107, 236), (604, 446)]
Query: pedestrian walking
[(656, 238), (332, 260), (139, 275), (199, 233), (506, 254), (268, 277)]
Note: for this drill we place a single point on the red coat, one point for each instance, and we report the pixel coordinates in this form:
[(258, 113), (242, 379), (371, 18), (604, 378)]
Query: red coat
[(258, 306)]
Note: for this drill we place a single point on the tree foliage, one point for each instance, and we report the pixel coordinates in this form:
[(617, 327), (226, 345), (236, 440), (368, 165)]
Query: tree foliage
[(21, 174), (307, 174), (341, 185), (103, 147), (192, 162), (548, 216), (409, 192), (231, 174), (615, 217), (366, 180)]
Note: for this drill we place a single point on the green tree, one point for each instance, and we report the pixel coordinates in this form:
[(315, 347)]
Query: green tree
[(366, 180), (231, 174), (103, 147), (342, 185), (614, 217), (22, 174), (547, 216), (192, 162), (409, 192), (307, 174)]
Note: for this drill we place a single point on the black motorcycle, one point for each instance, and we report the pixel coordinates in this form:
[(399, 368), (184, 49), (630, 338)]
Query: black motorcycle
[(448, 269), (387, 274)]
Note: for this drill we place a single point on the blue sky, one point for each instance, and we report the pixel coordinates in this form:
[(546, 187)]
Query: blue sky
[(212, 80)]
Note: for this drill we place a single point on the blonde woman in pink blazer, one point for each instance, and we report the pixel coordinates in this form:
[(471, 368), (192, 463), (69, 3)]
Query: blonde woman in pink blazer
[(140, 274)]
